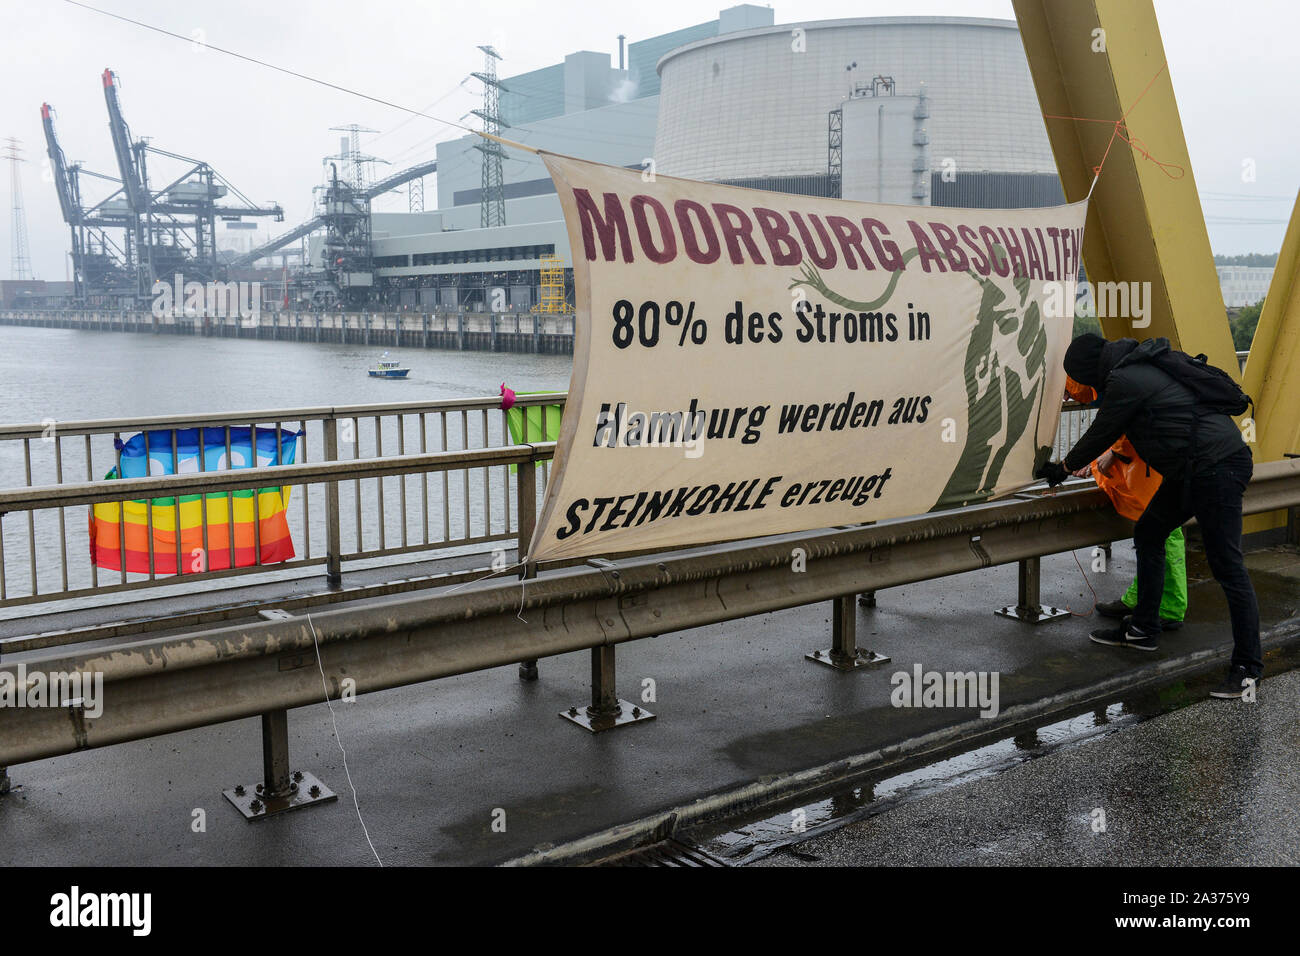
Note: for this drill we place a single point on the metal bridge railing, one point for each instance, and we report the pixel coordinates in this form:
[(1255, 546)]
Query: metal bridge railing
[(375, 505), (1075, 420)]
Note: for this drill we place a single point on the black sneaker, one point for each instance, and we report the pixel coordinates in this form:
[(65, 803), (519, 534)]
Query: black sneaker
[(1119, 610), (1116, 609), (1234, 686), (1126, 635)]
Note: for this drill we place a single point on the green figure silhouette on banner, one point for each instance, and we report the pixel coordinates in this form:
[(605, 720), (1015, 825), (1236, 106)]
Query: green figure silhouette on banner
[(991, 385)]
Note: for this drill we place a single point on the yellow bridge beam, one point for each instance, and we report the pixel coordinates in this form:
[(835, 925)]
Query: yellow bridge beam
[(1272, 373), (1101, 60)]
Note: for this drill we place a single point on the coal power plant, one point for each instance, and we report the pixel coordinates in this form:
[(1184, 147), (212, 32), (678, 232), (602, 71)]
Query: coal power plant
[(915, 110)]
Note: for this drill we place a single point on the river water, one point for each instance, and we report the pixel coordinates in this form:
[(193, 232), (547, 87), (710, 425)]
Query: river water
[(69, 375), (65, 375)]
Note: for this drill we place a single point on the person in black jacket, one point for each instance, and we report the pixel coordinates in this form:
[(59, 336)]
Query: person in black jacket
[(1206, 467)]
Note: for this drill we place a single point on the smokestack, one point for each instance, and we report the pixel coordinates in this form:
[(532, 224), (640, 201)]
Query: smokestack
[(621, 38)]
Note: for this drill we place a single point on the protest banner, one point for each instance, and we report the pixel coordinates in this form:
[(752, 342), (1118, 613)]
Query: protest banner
[(750, 363)]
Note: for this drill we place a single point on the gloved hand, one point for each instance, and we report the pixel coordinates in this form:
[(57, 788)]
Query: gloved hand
[(1051, 471)]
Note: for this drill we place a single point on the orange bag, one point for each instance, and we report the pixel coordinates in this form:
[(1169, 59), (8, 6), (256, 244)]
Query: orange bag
[(1132, 482)]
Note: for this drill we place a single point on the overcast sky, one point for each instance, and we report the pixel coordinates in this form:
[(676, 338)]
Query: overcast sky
[(1233, 66)]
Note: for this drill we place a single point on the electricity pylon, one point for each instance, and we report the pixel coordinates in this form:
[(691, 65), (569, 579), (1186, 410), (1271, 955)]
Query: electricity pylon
[(20, 263)]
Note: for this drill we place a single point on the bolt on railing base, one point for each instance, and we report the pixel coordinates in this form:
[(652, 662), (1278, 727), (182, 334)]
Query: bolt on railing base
[(844, 653), (255, 804), (1036, 614), (281, 790), (528, 670), (598, 721), (606, 710), (1027, 609), (845, 662)]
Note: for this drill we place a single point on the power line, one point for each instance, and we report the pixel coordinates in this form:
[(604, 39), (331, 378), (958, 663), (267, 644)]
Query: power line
[(270, 66), (1233, 221), (1221, 196), (615, 139), (395, 128)]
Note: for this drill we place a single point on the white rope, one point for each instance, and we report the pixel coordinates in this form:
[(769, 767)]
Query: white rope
[(338, 740), (1095, 180), (518, 564)]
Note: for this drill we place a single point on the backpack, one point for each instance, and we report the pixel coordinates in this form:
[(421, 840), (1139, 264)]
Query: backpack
[(1212, 387)]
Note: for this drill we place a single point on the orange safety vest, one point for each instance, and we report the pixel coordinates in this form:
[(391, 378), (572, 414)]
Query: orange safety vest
[(1132, 482)]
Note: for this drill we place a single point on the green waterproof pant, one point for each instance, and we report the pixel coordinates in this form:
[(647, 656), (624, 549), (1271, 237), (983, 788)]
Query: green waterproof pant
[(1173, 602)]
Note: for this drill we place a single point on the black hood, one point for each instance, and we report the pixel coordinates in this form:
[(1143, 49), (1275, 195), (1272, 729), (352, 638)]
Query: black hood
[(1112, 354), (1082, 357), (1090, 359)]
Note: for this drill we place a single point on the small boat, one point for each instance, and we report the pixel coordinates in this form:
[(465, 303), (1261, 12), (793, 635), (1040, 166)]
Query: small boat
[(388, 368)]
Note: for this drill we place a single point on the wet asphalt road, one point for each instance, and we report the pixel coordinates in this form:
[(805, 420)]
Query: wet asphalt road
[(1215, 783)]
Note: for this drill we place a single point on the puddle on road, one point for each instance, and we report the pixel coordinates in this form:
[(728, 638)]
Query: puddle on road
[(760, 837)]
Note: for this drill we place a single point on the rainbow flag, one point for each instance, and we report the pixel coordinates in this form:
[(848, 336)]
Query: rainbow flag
[(140, 458)]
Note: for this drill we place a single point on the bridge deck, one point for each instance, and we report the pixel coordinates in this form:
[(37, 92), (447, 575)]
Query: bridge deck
[(735, 702)]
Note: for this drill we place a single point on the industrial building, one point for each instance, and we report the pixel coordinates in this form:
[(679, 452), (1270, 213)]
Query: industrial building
[(1244, 285), (925, 110), (588, 106), (928, 110)]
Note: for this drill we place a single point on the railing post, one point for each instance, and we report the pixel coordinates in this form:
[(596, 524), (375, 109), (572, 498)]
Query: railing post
[(1292, 516), (526, 498), (6, 784), (604, 675), (1028, 609), (606, 711), (844, 654), (276, 781), (333, 544)]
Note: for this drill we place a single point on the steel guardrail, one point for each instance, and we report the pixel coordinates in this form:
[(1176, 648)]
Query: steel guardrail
[(168, 684)]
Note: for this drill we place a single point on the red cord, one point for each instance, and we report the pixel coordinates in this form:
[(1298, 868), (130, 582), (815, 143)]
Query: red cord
[(1075, 555), (1121, 131)]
